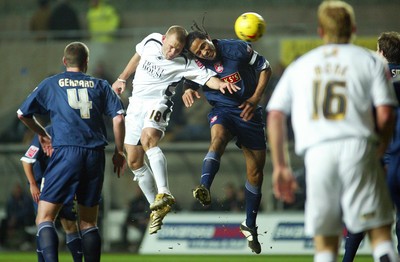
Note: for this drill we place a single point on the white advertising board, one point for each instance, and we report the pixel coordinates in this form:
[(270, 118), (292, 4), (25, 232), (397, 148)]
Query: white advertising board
[(218, 233)]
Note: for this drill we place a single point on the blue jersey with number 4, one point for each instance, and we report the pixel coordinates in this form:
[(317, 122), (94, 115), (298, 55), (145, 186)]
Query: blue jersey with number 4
[(76, 103)]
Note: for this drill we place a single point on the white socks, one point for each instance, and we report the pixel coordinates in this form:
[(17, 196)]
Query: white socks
[(158, 164), (384, 249), (146, 182), (325, 257)]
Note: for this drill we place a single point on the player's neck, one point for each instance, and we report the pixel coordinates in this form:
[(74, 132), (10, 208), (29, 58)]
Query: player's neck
[(73, 69)]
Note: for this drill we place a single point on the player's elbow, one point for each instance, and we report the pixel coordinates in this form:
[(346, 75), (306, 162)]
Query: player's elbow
[(119, 120), (276, 116), (21, 116)]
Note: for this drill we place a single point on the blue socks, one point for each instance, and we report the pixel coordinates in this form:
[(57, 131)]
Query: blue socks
[(253, 200), (210, 168), (91, 244), (351, 246), (74, 244), (47, 240)]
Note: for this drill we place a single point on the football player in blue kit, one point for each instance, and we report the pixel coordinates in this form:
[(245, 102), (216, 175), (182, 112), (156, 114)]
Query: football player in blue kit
[(34, 163), (388, 47), (236, 115), (76, 104)]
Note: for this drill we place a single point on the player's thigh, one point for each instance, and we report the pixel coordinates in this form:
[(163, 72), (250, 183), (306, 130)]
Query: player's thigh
[(322, 211), (220, 137), (46, 211), (255, 162), (69, 226), (88, 216), (365, 200), (134, 156), (150, 137)]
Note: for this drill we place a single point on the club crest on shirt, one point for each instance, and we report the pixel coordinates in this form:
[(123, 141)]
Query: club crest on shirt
[(32, 151), (218, 67), (213, 119)]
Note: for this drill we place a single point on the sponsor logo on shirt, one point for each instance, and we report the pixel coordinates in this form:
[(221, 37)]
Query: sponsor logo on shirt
[(214, 118), (218, 67), (152, 69), (32, 151), (199, 64), (232, 78)]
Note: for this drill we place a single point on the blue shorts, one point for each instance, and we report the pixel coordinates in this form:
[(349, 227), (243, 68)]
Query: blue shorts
[(74, 170), (250, 134), (68, 211), (392, 162)]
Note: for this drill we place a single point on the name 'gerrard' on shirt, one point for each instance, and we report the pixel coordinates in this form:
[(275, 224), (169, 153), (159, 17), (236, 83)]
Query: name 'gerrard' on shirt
[(74, 83)]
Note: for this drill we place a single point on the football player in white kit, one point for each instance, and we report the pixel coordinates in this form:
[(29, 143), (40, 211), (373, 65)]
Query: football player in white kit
[(158, 66), (330, 93)]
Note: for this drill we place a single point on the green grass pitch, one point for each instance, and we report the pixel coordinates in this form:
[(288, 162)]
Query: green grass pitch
[(124, 257)]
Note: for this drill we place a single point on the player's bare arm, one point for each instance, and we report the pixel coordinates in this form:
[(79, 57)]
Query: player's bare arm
[(44, 137), (119, 134), (385, 123), (33, 187), (283, 181), (217, 84), (120, 84), (249, 106)]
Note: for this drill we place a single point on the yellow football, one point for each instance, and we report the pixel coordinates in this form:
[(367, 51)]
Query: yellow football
[(250, 26)]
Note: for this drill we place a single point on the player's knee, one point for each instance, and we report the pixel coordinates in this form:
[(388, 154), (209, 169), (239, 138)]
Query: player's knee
[(134, 164), (255, 178)]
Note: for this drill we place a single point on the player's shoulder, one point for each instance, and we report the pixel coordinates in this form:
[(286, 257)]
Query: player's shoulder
[(231, 44), (234, 48)]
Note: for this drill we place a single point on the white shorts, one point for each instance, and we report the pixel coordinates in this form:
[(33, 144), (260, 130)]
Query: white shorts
[(142, 113), (345, 184)]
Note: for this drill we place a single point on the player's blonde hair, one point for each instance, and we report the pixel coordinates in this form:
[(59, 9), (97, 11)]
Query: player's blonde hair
[(179, 31), (336, 19), (76, 54)]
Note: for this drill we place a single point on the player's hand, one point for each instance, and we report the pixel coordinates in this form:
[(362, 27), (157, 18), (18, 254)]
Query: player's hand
[(45, 142), (248, 108), (223, 86), (118, 86), (284, 184), (119, 162), (188, 97), (35, 192)]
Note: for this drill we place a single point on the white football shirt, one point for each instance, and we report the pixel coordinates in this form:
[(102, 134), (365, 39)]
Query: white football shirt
[(155, 74), (330, 93)]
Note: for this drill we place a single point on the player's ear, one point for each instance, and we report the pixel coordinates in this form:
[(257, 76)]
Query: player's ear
[(320, 31), (64, 61), (354, 29)]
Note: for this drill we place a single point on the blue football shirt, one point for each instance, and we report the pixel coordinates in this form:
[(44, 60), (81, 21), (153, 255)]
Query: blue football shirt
[(77, 104)]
